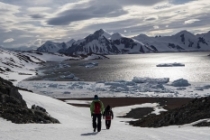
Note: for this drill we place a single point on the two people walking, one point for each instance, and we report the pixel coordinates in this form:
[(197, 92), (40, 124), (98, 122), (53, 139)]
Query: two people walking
[(97, 110)]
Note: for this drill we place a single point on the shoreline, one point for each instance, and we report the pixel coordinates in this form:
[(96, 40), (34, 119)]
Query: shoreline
[(167, 103), (136, 113)]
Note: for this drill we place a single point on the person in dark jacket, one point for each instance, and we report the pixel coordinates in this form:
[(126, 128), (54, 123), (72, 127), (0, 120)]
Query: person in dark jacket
[(108, 116), (96, 109)]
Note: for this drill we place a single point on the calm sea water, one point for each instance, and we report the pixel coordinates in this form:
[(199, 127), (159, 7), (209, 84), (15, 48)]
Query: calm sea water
[(125, 67)]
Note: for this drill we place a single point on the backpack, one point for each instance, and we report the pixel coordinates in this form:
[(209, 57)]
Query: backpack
[(108, 115), (97, 107)]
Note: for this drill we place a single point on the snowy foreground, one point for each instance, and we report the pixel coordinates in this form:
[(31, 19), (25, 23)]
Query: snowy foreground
[(76, 125)]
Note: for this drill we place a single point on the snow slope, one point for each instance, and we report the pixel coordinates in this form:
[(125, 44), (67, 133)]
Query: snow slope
[(76, 125), (52, 47), (17, 66)]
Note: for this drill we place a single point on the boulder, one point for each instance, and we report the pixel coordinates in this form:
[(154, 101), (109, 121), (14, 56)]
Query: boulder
[(14, 108), (195, 110)]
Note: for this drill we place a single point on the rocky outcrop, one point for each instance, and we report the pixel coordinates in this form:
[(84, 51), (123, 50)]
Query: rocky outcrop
[(195, 110), (14, 108)]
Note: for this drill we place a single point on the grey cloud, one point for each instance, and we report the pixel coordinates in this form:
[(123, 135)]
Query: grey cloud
[(132, 28), (181, 1), (93, 11), (36, 16), (140, 2), (114, 25), (150, 19), (97, 9), (129, 25), (16, 35), (35, 3), (14, 2), (19, 2)]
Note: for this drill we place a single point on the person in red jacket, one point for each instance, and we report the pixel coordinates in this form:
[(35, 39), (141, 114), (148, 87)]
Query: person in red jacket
[(96, 109), (108, 116)]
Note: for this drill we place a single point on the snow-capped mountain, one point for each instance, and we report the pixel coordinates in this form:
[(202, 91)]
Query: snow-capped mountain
[(52, 47), (70, 42), (205, 37), (101, 42), (182, 41)]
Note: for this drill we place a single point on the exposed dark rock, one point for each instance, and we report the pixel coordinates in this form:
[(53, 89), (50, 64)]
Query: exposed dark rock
[(195, 110), (14, 108), (204, 123), (198, 45), (138, 113), (1, 70), (190, 43), (202, 40), (141, 50), (175, 47), (24, 73), (182, 38), (7, 69), (154, 48), (24, 89)]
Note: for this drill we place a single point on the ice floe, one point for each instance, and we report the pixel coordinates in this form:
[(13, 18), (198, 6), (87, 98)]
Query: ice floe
[(140, 87), (171, 65)]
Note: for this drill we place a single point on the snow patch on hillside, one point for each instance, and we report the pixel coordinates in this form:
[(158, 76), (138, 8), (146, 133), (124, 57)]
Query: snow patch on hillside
[(16, 66)]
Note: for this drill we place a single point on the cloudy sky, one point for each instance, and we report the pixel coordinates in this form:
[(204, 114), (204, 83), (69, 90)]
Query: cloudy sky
[(32, 22)]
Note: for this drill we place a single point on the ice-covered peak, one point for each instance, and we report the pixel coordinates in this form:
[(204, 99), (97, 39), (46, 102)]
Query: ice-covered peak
[(101, 32), (97, 35), (207, 34), (70, 42), (116, 36), (142, 35), (184, 32), (106, 35), (184, 36), (48, 42)]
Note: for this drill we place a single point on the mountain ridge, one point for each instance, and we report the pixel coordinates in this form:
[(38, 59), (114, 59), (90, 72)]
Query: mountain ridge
[(101, 42)]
